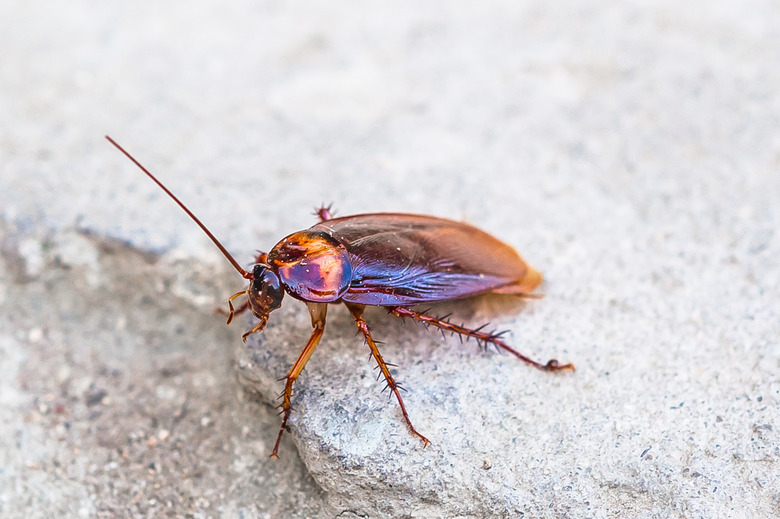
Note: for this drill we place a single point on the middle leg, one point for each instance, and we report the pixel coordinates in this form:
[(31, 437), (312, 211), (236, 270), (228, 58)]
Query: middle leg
[(325, 212), (357, 314)]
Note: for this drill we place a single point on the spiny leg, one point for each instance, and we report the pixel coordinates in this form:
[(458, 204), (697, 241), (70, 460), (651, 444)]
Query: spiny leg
[(243, 307), (357, 314), (492, 338), (325, 212), (318, 312)]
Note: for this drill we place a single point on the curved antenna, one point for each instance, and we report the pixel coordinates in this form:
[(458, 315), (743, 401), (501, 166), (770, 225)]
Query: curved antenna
[(231, 259)]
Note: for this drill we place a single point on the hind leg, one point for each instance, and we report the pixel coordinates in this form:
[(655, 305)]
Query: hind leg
[(492, 338)]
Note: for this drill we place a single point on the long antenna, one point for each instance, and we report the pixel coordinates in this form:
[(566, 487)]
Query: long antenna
[(224, 251)]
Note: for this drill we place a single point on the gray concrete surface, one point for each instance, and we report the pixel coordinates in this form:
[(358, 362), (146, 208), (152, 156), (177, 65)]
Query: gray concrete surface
[(631, 152)]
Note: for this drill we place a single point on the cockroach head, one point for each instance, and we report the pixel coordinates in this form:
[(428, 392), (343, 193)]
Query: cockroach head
[(265, 291)]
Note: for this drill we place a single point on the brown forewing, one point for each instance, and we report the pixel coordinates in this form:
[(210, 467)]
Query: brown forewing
[(403, 259)]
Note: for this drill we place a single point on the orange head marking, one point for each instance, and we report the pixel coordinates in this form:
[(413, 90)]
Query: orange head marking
[(313, 266)]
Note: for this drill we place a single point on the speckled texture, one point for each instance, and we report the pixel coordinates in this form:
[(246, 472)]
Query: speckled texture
[(629, 152)]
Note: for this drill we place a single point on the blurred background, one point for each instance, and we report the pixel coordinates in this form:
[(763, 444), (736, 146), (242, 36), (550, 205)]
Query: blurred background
[(630, 151)]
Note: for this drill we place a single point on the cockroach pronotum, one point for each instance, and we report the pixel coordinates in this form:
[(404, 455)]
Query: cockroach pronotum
[(393, 260)]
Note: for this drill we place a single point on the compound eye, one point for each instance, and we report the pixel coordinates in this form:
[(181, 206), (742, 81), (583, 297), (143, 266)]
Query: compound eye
[(272, 290), (267, 288)]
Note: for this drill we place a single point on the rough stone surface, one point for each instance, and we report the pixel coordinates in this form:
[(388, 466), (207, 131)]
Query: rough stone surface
[(630, 152)]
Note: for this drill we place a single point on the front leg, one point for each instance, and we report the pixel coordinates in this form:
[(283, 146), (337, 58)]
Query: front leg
[(243, 307), (357, 314), (318, 312)]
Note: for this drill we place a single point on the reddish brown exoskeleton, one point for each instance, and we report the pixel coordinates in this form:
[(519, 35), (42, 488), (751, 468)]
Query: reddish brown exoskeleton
[(392, 260)]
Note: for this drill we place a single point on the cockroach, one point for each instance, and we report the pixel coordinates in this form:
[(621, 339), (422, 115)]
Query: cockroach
[(393, 260)]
